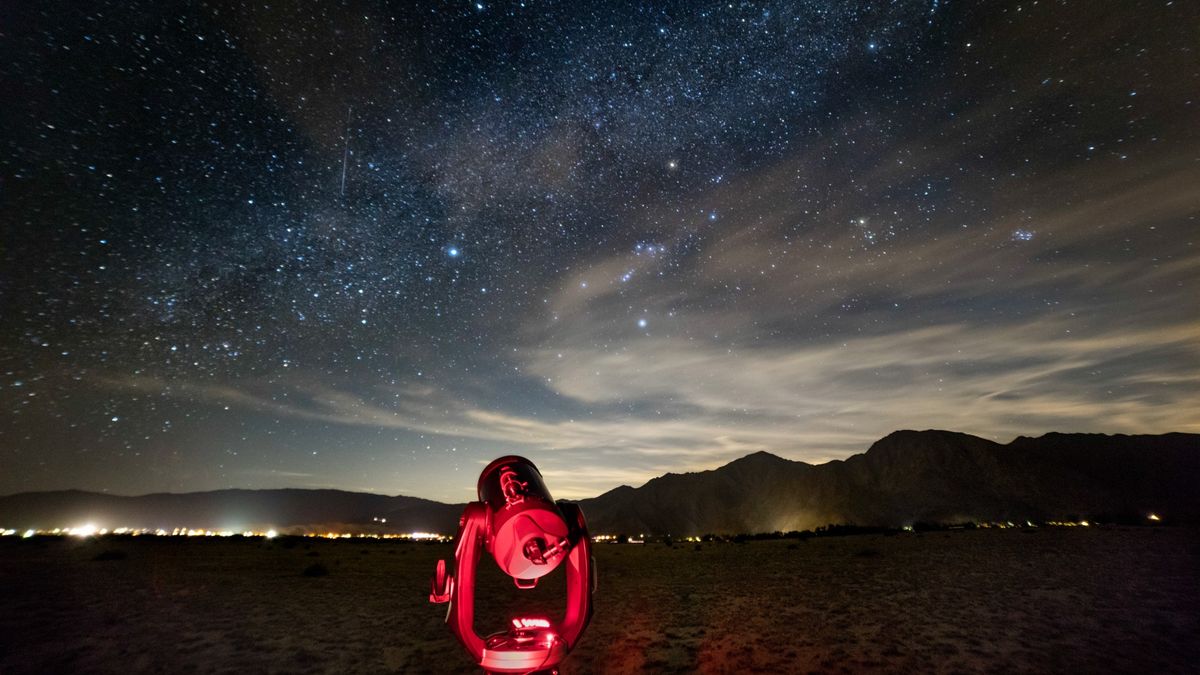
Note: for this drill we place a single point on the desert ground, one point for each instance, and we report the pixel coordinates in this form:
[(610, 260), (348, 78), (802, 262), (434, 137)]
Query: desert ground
[(1094, 599)]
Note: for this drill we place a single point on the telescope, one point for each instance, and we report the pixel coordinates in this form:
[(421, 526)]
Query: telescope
[(529, 535)]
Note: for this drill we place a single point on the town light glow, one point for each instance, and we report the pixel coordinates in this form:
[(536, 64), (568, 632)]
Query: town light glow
[(90, 530)]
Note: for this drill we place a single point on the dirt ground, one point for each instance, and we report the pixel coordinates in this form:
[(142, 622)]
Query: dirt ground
[(1049, 600)]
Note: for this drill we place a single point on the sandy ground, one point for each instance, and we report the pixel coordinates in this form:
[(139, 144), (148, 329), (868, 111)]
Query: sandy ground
[(1054, 600)]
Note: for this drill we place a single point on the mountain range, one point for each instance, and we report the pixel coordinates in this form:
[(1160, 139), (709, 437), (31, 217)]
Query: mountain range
[(912, 477), (904, 478), (286, 510)]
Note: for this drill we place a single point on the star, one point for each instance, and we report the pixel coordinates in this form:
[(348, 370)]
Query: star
[(895, 207)]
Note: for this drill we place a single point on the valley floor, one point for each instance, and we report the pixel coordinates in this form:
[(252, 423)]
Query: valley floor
[(1049, 600)]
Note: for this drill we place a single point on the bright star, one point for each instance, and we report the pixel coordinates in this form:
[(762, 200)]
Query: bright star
[(452, 252), (641, 323)]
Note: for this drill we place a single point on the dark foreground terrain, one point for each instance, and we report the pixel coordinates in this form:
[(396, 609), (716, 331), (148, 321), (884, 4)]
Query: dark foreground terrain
[(1047, 600)]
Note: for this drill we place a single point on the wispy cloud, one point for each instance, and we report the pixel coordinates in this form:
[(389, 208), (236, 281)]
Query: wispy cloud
[(706, 405), (779, 318)]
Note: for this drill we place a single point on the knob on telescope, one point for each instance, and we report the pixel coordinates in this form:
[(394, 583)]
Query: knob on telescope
[(442, 582)]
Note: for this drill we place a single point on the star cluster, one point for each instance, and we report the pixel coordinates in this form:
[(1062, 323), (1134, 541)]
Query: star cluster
[(371, 245)]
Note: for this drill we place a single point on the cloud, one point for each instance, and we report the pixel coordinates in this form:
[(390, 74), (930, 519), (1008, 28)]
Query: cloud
[(708, 405), (812, 306), (802, 327)]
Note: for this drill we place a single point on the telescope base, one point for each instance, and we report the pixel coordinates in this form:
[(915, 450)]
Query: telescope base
[(523, 651)]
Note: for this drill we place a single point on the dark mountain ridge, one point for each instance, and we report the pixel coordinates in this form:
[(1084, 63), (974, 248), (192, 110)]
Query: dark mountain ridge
[(904, 478), (237, 510), (921, 476)]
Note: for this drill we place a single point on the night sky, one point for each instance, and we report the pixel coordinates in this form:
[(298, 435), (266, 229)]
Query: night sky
[(373, 246)]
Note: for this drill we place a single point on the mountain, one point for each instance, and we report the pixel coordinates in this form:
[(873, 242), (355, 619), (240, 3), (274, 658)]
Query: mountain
[(237, 510), (920, 476), (906, 477)]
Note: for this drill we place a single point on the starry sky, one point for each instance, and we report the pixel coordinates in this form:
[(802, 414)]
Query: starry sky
[(372, 246)]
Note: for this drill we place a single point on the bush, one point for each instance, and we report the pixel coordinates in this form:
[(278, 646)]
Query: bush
[(315, 570)]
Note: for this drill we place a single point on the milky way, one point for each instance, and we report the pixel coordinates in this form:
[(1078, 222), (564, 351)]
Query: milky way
[(371, 247)]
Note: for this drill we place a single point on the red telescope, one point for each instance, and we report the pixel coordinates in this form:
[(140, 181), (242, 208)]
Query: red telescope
[(529, 535)]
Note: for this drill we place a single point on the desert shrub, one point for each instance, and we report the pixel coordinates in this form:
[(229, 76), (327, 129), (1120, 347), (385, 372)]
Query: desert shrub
[(867, 553), (315, 570), (110, 554), (697, 547)]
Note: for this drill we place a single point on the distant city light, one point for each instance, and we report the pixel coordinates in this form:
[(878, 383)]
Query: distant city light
[(1154, 517), (89, 530)]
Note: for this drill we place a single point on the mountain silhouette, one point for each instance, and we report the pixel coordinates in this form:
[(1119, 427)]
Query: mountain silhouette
[(920, 476), (236, 510), (904, 478)]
